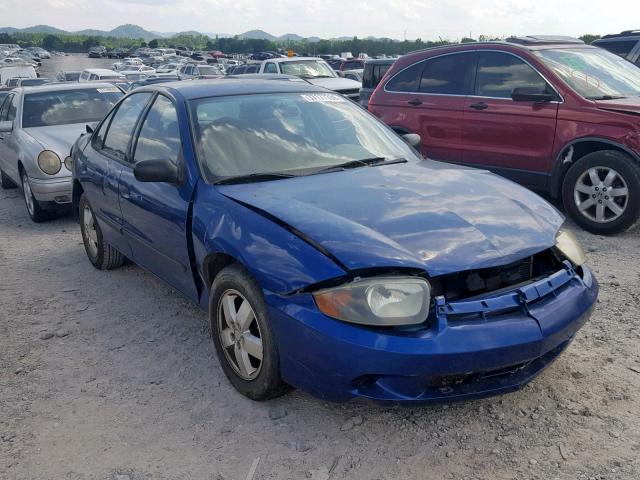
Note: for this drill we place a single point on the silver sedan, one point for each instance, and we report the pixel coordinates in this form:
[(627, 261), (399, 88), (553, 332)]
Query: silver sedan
[(38, 126)]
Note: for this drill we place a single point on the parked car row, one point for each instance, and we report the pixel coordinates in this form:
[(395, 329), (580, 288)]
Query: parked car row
[(305, 226)]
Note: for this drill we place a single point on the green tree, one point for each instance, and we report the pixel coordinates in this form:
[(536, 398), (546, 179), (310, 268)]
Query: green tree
[(153, 43), (588, 38)]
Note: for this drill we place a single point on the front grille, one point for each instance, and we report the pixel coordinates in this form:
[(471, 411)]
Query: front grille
[(480, 282)]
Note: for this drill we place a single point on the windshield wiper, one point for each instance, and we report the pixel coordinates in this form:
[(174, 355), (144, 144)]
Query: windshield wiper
[(253, 177), (365, 162), (607, 97)]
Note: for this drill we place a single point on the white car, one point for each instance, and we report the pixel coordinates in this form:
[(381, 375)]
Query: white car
[(38, 126), (99, 74), (189, 72), (315, 71)]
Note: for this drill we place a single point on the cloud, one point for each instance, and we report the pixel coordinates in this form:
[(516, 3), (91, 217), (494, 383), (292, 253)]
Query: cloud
[(426, 19)]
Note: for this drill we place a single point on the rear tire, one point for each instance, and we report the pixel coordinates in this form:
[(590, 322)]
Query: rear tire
[(6, 182), (253, 371), (101, 255), (601, 192)]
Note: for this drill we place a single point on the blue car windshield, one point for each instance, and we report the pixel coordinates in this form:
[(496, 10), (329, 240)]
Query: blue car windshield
[(291, 133), (63, 107)]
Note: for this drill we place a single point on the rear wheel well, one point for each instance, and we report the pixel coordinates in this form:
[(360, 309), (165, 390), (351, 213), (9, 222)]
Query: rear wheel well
[(213, 264), (574, 152)]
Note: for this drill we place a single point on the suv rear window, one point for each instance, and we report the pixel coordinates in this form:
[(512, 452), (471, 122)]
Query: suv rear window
[(407, 80), (373, 73), (619, 47)]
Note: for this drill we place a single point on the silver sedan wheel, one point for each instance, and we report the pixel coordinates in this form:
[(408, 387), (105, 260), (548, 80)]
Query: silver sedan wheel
[(240, 335), (28, 195), (601, 194), (90, 233)]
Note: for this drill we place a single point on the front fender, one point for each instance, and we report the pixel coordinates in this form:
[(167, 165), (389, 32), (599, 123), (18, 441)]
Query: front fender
[(279, 260)]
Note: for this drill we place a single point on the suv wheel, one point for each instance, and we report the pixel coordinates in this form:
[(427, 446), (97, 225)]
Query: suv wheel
[(601, 192)]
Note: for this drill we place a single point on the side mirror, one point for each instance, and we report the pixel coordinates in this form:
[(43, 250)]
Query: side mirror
[(157, 171), (88, 128), (413, 139), (6, 127), (528, 94)]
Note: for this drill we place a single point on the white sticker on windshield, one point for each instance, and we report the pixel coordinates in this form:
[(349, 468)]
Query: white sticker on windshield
[(108, 90), (323, 98)]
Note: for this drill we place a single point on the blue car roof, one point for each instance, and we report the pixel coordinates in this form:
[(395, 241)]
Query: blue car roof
[(237, 86)]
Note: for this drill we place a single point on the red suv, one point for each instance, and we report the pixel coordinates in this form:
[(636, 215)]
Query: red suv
[(549, 112)]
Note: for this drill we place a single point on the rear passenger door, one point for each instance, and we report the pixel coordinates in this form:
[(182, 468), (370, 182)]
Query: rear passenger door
[(156, 214), (428, 98), (514, 138), (99, 171)]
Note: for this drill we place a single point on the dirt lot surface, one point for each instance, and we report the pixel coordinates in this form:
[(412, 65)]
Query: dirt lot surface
[(112, 375)]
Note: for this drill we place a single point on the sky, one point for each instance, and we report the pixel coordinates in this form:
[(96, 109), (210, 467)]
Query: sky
[(411, 19)]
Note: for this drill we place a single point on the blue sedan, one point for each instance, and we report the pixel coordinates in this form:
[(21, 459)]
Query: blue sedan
[(328, 254)]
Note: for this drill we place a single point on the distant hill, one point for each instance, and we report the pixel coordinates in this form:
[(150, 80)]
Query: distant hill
[(123, 31), (257, 35), (136, 32)]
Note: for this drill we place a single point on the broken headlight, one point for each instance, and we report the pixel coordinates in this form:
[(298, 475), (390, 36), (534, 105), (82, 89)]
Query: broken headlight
[(568, 245), (383, 301)]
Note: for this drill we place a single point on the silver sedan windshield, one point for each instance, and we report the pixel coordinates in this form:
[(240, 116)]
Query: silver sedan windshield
[(64, 107)]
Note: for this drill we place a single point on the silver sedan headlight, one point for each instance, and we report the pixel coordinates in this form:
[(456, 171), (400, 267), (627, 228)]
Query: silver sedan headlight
[(569, 246), (49, 162), (382, 301)]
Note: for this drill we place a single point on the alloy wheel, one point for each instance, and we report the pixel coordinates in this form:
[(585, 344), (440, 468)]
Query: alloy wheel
[(601, 194), (240, 334)]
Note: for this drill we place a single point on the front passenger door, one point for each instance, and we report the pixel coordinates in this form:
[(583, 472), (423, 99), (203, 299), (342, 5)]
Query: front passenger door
[(156, 214), (513, 138)]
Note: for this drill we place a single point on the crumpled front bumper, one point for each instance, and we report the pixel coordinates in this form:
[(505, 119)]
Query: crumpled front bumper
[(473, 349)]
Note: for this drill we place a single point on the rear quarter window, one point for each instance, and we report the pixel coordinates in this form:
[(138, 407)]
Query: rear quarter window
[(407, 80)]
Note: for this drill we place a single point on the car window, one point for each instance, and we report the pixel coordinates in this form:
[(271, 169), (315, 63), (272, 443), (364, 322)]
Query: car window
[(271, 68), (500, 73), (64, 107), (407, 80), (98, 138), (449, 74), (13, 107), (159, 137), (245, 134), (4, 108), (123, 123), (253, 69), (619, 47)]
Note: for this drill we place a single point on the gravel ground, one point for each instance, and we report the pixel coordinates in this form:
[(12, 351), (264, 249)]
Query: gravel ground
[(112, 375)]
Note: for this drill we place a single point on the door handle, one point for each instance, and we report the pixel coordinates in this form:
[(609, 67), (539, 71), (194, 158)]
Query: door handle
[(415, 102), (479, 106)]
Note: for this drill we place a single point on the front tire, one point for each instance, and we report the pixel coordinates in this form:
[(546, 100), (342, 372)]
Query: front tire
[(242, 335), (101, 255), (601, 192), (35, 211)]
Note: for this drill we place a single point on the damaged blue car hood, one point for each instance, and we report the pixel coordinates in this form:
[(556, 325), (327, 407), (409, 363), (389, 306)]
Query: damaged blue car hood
[(429, 215)]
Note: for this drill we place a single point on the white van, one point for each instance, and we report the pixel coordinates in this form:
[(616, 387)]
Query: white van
[(20, 71), (99, 74)]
